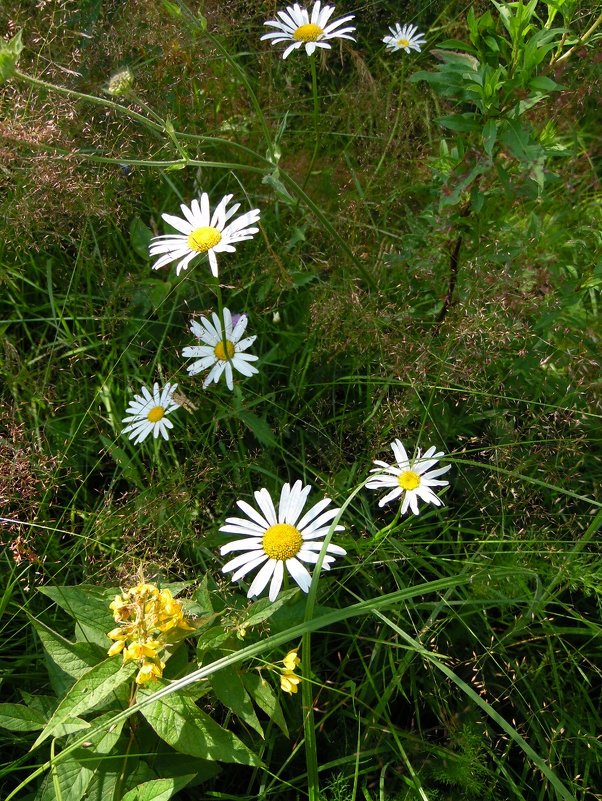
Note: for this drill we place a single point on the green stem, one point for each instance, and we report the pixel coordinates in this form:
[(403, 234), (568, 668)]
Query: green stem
[(98, 101), (314, 91), (597, 22)]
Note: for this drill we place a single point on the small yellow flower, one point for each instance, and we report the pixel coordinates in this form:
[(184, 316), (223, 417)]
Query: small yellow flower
[(291, 660), (149, 671), (116, 648), (146, 614), (289, 681)]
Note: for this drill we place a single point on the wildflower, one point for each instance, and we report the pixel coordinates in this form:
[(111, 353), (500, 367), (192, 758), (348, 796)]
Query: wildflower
[(221, 348), (291, 660), (203, 232), (275, 540), (297, 26), (289, 681), (121, 83), (148, 413), (145, 614), (406, 38), (412, 478)]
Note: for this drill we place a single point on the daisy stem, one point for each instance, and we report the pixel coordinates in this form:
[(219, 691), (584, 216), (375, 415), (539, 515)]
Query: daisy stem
[(314, 91)]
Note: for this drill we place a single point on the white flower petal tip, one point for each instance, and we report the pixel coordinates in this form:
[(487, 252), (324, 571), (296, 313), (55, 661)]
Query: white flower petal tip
[(404, 38), (202, 232), (147, 413), (309, 29), (409, 479), (221, 348), (279, 538)]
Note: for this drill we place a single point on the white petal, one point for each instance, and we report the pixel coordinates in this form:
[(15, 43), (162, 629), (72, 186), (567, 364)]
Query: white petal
[(264, 501), (261, 579), (254, 514), (276, 580), (299, 573)]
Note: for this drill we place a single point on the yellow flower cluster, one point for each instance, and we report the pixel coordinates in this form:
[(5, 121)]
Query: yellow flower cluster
[(149, 620), (288, 678)]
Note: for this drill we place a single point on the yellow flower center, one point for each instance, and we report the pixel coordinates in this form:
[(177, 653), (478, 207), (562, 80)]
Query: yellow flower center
[(203, 239), (403, 43), (308, 33), (155, 414), (409, 480), (224, 354), (282, 541)]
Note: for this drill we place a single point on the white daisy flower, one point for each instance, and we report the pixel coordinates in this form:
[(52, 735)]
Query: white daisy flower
[(412, 478), (297, 26), (203, 232), (222, 348), (148, 413), (406, 38), (276, 540)]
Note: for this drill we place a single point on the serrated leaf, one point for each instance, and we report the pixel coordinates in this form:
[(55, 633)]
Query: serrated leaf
[(259, 427), (87, 692), (180, 722), (229, 689), (265, 698), (18, 717), (158, 789), (124, 461), (140, 237), (66, 661), (9, 56), (90, 608), (264, 608)]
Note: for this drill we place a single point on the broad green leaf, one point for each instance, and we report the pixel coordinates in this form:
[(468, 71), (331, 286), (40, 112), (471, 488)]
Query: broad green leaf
[(87, 692), (90, 607), (179, 721), (264, 608), (66, 661), (18, 717), (229, 689), (9, 56), (465, 123), (543, 84), (158, 789), (259, 427), (265, 698), (140, 237), (69, 779)]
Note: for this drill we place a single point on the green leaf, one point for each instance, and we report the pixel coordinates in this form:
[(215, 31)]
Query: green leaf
[(265, 698), (87, 692), (9, 56), (229, 689), (140, 237), (90, 607), (465, 123), (259, 427), (123, 460), (264, 608), (66, 661), (18, 717), (489, 136), (179, 721), (543, 84), (158, 789)]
